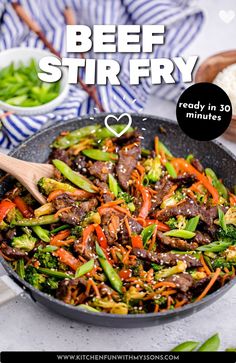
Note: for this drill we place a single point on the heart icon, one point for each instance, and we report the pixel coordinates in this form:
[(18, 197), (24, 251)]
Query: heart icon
[(117, 119), (226, 15)]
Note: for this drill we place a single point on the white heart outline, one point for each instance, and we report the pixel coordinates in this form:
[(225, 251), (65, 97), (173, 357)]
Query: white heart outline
[(227, 15), (118, 119)]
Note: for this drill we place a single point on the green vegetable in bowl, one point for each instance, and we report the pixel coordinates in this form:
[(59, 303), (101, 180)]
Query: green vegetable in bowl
[(21, 87)]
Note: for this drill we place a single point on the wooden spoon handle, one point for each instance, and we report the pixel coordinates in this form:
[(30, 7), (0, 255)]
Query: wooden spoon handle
[(12, 165)]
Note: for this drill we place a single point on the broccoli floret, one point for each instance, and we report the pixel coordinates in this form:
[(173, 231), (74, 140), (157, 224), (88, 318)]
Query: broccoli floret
[(133, 294), (221, 263), (153, 169), (177, 197), (34, 278), (3, 226), (47, 185), (166, 272), (156, 267), (50, 285), (112, 306), (125, 196), (92, 217), (46, 259), (161, 300), (228, 235), (77, 231), (177, 223), (24, 242), (230, 254), (14, 215)]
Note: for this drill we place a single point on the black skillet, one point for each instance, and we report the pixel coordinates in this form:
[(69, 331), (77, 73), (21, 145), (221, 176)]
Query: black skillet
[(211, 154)]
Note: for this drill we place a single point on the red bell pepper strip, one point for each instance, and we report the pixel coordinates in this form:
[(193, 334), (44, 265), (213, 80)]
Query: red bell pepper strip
[(102, 240), (23, 207), (137, 241), (5, 206), (86, 234), (67, 258), (160, 226), (146, 206), (185, 166)]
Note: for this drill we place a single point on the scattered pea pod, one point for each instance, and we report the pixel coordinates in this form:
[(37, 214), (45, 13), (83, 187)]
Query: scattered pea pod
[(222, 219), (188, 346), (147, 233), (42, 233), (113, 185), (210, 345)]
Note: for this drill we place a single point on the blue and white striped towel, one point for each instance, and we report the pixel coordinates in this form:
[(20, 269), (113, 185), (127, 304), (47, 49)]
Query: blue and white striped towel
[(182, 20)]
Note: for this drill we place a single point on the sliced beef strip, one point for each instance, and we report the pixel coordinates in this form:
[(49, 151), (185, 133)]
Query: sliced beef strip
[(10, 234), (14, 253), (176, 243), (184, 180), (101, 169), (128, 158), (135, 227), (77, 212), (114, 227), (72, 291), (189, 208), (127, 138), (197, 165), (60, 154), (183, 281), (162, 189), (104, 191), (168, 258), (202, 238)]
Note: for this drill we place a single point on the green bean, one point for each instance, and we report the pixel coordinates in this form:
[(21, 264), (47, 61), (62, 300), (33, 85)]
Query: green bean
[(111, 274), (42, 233), (20, 269), (100, 155), (222, 219), (210, 345), (171, 170), (217, 183), (75, 136), (163, 148), (188, 346), (55, 273), (85, 268), (74, 177), (181, 233), (192, 224), (104, 133), (147, 233), (87, 307), (216, 246), (58, 229), (113, 185), (28, 222)]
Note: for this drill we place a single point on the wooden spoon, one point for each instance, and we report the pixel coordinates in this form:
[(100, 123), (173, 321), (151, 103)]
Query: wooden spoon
[(27, 173)]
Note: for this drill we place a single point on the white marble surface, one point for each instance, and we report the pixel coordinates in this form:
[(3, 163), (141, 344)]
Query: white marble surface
[(29, 326)]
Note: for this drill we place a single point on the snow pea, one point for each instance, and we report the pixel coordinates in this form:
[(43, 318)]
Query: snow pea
[(188, 346), (75, 136), (74, 177), (210, 345), (192, 224), (85, 268), (181, 233)]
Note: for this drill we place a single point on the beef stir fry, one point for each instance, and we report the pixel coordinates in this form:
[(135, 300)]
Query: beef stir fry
[(125, 230)]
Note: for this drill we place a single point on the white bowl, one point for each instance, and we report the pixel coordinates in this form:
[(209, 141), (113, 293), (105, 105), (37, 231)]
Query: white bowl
[(25, 55)]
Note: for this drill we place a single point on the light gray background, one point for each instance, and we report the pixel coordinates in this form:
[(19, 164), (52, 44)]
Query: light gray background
[(25, 325)]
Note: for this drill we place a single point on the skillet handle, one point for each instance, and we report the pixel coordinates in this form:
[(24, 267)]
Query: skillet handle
[(8, 289)]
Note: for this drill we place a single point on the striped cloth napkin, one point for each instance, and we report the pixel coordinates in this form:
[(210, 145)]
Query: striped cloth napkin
[(182, 19)]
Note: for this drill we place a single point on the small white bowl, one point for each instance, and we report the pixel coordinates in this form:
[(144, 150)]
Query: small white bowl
[(25, 55)]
